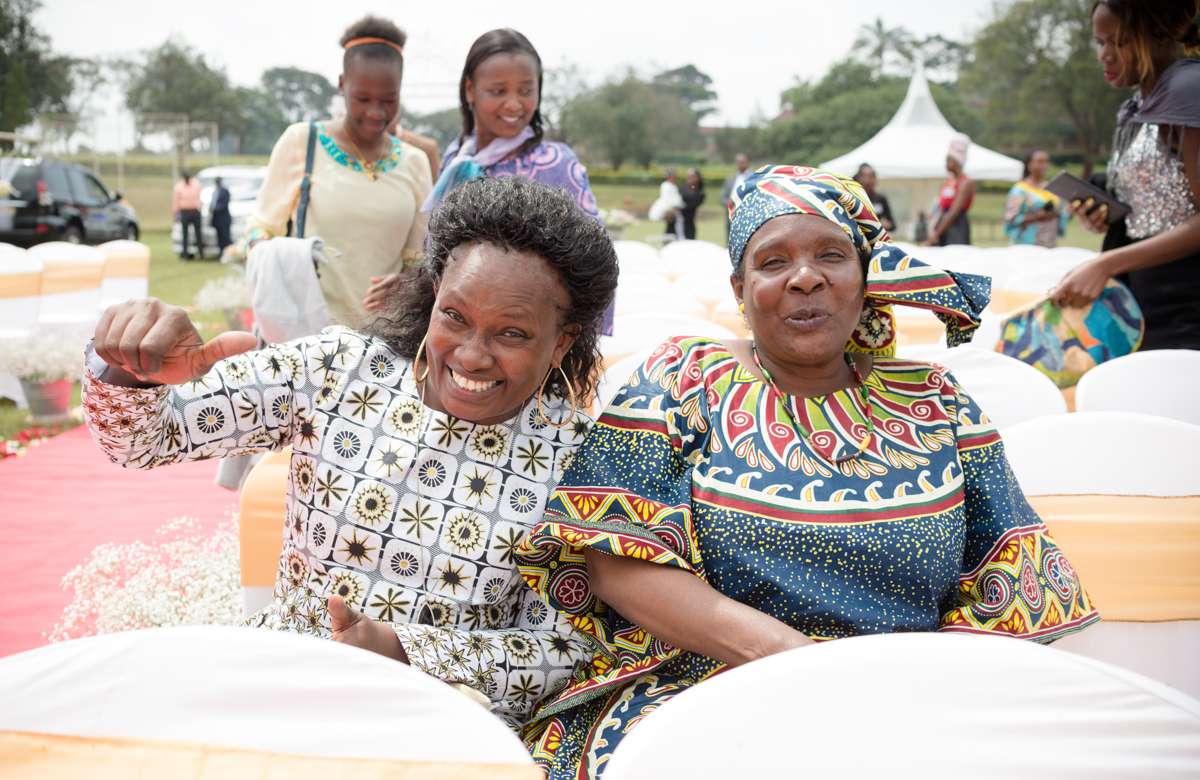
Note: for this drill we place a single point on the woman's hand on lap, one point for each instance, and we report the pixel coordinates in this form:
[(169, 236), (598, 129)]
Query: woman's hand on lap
[(351, 627), (152, 342)]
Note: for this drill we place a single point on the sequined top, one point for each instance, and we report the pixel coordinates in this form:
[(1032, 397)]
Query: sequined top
[(1150, 179)]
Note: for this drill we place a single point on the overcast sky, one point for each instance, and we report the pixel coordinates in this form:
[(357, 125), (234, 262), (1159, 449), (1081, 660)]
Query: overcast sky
[(752, 49)]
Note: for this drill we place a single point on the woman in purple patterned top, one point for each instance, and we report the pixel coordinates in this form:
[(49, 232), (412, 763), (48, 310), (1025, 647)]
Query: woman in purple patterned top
[(499, 96)]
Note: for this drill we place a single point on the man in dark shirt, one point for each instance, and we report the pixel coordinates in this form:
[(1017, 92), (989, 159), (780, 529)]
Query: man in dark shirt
[(219, 212)]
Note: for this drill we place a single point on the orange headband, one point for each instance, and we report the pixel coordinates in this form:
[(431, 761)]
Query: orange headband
[(360, 41)]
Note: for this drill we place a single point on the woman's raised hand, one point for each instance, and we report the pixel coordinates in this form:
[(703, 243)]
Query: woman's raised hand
[(154, 342)]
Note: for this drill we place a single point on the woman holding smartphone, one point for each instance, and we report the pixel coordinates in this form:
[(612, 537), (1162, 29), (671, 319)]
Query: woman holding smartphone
[(1153, 170)]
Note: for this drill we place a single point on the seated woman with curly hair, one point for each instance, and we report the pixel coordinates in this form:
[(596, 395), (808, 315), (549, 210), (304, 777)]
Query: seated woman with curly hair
[(423, 449), (742, 498)]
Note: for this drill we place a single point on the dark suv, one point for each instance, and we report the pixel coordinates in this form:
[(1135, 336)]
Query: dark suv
[(57, 200)]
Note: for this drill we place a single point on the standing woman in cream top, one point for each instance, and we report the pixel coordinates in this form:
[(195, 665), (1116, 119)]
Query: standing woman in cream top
[(367, 186)]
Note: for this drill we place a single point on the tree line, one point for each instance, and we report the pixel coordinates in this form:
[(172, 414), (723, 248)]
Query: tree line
[(1028, 77)]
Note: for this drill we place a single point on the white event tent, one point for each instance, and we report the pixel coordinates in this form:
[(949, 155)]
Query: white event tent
[(909, 155)]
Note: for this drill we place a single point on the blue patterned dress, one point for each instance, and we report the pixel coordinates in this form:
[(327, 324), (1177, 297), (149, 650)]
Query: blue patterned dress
[(926, 530)]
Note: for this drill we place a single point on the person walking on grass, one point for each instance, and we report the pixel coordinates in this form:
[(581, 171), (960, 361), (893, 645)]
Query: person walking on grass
[(185, 203)]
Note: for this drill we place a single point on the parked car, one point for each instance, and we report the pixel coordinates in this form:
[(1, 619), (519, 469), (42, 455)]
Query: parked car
[(48, 199), (243, 183)]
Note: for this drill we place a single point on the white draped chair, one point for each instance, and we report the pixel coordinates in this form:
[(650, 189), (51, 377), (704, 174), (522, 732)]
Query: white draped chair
[(20, 291), (681, 257), (243, 689), (636, 254), (615, 376), (727, 314), (927, 705), (1120, 492), (71, 282), (635, 332), (126, 272), (1162, 382), (20, 299), (631, 300), (1008, 391)]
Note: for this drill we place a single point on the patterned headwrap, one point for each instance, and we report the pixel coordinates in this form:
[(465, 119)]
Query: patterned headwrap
[(893, 277)]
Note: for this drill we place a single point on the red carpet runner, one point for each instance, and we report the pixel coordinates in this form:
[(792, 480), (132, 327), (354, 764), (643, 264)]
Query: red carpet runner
[(61, 501)]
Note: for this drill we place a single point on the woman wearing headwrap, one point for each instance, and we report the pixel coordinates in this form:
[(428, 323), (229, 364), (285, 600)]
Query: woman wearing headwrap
[(950, 223), (1154, 169), (797, 488)]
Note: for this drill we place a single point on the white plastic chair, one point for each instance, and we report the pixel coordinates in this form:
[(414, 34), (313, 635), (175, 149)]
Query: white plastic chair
[(1161, 382), (926, 705), (1008, 391), (126, 272), (248, 688), (635, 332), (71, 280), (1119, 492), (615, 376)]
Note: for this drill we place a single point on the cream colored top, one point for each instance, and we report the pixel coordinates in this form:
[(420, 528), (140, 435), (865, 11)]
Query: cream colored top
[(375, 226)]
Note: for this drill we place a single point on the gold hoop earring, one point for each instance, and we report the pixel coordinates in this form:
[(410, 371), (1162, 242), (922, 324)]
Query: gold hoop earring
[(542, 391), (417, 359)]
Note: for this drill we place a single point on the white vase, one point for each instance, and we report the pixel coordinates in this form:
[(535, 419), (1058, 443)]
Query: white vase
[(49, 402)]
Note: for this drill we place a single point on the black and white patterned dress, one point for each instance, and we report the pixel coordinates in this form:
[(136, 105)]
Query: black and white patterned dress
[(413, 516)]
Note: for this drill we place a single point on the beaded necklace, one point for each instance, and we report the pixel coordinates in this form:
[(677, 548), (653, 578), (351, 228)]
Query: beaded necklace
[(799, 426)]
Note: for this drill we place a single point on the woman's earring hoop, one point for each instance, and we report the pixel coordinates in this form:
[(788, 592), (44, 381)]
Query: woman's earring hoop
[(417, 359), (542, 391)]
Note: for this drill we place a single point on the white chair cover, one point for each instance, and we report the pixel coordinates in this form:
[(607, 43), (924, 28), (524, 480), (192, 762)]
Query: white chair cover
[(681, 257), (20, 291), (615, 376), (71, 282), (918, 705), (636, 253), (1105, 453), (1117, 454), (1008, 391), (635, 332), (248, 688), (1161, 382), (706, 280), (126, 272), (631, 301)]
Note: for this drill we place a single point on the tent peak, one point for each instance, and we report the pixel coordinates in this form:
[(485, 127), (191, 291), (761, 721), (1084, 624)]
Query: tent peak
[(918, 108)]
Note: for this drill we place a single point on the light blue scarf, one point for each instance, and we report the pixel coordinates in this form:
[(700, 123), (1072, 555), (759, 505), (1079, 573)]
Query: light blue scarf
[(469, 163)]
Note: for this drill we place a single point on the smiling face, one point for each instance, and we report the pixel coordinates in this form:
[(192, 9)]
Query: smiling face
[(504, 93), (803, 290), (372, 91), (494, 333)]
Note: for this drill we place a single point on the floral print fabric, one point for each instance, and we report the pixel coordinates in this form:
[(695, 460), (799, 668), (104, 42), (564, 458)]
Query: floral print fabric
[(412, 516)]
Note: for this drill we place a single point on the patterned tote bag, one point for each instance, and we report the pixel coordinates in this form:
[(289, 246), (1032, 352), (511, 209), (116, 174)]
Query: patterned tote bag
[(1066, 343)]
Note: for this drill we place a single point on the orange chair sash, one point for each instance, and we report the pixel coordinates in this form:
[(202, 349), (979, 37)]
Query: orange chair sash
[(54, 757), (1137, 556), (20, 285)]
